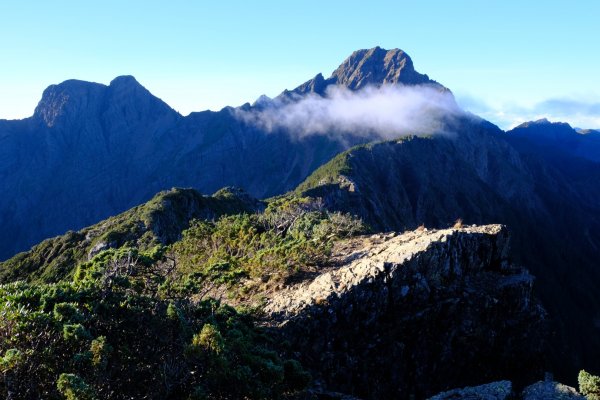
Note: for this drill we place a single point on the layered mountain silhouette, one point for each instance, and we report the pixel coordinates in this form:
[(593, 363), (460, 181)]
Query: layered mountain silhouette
[(91, 151)]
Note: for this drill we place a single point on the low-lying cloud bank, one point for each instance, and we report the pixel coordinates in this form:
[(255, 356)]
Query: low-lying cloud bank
[(387, 112)]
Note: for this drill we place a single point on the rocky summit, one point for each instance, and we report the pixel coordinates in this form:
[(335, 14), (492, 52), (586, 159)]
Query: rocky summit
[(369, 67)]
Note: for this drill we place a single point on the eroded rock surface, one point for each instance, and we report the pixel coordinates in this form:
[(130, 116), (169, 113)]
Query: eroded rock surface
[(544, 390), (492, 391), (416, 314)]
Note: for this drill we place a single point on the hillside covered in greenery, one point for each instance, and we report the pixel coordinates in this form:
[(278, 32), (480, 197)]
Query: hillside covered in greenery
[(162, 299)]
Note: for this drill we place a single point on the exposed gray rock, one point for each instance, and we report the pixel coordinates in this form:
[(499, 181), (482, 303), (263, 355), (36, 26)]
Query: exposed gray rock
[(382, 262), (377, 66), (368, 67), (98, 247), (492, 391), (413, 314), (545, 390)]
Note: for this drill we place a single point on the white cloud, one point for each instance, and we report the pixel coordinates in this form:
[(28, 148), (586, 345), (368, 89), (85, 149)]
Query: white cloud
[(387, 111), (578, 113)]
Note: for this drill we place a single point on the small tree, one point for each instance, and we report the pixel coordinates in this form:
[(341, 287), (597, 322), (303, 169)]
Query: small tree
[(74, 388), (589, 385)]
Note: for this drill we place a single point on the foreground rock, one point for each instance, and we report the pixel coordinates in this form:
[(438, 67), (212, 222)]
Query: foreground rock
[(548, 390), (492, 391), (543, 390), (415, 314)]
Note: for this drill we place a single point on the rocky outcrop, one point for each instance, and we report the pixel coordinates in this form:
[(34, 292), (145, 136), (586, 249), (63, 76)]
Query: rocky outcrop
[(377, 66), (543, 390), (550, 390), (412, 314), (492, 391), (368, 67)]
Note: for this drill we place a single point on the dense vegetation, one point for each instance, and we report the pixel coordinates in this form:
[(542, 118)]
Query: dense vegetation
[(159, 221), (247, 254), (114, 332), (148, 319)]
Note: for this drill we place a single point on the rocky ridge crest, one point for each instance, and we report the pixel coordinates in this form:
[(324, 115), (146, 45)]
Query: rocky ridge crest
[(437, 305)]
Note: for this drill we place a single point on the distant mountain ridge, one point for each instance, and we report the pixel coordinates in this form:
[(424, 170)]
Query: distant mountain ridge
[(558, 137), (91, 150)]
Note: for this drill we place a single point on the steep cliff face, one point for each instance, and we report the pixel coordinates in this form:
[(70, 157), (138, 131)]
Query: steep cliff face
[(414, 314)]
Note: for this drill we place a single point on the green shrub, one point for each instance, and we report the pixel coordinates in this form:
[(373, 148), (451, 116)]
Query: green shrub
[(67, 312), (292, 236), (75, 332), (138, 349), (144, 304), (100, 351), (10, 360), (209, 339), (589, 385), (74, 388)]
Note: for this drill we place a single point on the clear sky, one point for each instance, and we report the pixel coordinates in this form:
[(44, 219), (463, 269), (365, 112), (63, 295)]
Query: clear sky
[(506, 60)]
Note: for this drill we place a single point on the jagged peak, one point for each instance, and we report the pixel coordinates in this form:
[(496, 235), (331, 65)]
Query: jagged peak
[(315, 85), (377, 66), (366, 67)]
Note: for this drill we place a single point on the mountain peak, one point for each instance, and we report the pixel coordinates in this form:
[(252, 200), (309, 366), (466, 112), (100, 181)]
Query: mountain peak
[(70, 94), (367, 67), (377, 66), (544, 122), (75, 99), (124, 80)]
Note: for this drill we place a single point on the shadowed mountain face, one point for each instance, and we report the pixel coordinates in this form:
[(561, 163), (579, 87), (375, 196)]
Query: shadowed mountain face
[(91, 151)]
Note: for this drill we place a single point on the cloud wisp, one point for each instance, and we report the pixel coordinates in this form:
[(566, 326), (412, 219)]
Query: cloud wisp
[(386, 112), (576, 112)]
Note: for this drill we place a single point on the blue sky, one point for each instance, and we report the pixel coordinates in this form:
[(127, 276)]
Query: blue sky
[(508, 61)]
